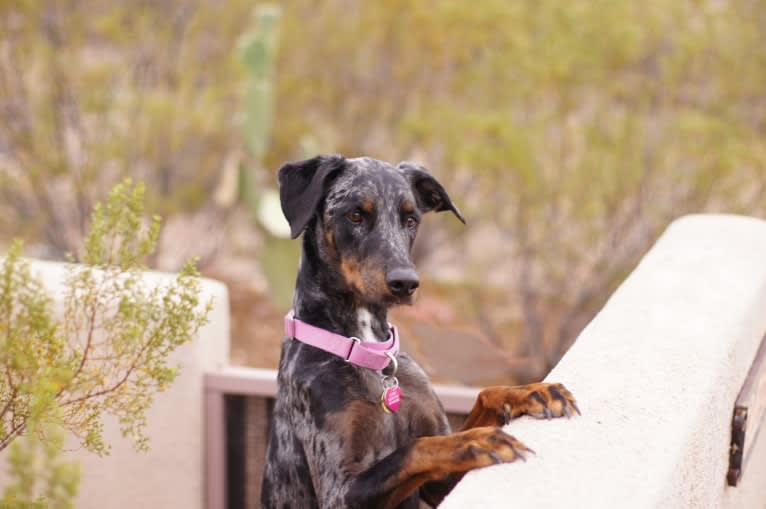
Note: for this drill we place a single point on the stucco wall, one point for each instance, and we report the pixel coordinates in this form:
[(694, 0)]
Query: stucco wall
[(656, 374), (170, 475)]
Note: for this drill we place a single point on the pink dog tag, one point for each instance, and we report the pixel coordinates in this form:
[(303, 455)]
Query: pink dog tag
[(391, 399)]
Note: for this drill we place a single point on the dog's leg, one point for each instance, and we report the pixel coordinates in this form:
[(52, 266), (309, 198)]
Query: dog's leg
[(496, 406), (397, 476)]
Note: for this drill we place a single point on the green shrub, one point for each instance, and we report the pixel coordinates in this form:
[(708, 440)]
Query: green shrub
[(106, 355)]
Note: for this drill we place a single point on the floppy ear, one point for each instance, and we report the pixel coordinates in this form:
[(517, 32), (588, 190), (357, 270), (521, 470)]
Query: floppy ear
[(429, 193), (302, 186)]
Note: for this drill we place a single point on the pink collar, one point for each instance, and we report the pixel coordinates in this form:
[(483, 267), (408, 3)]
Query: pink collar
[(368, 355)]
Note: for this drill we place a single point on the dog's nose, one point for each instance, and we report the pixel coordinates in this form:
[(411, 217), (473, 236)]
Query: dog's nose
[(402, 282)]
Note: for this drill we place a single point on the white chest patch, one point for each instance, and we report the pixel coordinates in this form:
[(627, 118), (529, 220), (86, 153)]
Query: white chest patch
[(364, 319)]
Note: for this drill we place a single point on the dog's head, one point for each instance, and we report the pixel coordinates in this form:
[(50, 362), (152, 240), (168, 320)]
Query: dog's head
[(365, 215)]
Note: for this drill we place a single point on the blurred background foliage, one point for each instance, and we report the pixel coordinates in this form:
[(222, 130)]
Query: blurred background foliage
[(570, 133)]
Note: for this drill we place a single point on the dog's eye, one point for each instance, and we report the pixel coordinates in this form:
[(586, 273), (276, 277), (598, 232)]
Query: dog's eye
[(411, 223), (355, 217)]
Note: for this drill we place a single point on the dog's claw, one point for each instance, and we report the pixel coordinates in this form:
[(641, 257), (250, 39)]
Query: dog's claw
[(495, 457), (548, 414), (507, 413), (520, 454), (577, 409)]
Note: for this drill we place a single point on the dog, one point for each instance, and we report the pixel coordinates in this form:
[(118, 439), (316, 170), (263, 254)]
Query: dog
[(356, 423)]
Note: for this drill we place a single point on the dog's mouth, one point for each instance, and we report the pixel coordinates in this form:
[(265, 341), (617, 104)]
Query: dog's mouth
[(393, 300)]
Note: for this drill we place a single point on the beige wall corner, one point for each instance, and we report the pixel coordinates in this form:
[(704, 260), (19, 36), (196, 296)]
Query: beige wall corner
[(170, 475)]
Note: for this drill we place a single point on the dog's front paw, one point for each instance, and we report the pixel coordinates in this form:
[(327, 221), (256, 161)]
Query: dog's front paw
[(544, 400), (541, 400), (486, 446)]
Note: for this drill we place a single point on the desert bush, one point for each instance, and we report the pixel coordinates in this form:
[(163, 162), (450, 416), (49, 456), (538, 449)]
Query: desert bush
[(105, 355), (570, 132)]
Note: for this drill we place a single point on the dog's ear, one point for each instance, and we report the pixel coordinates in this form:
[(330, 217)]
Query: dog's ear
[(429, 193), (302, 185)]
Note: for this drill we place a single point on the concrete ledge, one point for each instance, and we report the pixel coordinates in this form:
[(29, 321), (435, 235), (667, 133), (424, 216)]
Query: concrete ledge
[(171, 474), (656, 374)]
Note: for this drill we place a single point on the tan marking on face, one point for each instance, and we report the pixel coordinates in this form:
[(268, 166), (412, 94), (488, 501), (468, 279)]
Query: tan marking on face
[(378, 282), (368, 205), (351, 273), (330, 238), (408, 207)]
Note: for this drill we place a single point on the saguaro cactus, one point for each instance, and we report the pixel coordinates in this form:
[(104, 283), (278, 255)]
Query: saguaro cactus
[(257, 50)]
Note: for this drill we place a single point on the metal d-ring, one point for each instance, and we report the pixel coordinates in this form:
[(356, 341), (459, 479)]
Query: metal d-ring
[(396, 363)]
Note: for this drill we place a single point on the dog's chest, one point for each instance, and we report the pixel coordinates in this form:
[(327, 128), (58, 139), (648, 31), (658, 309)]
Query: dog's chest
[(420, 410), (366, 433), (351, 396)]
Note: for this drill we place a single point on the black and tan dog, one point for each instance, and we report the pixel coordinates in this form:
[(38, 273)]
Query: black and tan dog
[(332, 444)]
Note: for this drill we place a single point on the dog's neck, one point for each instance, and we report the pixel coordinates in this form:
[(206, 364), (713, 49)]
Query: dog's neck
[(322, 299)]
